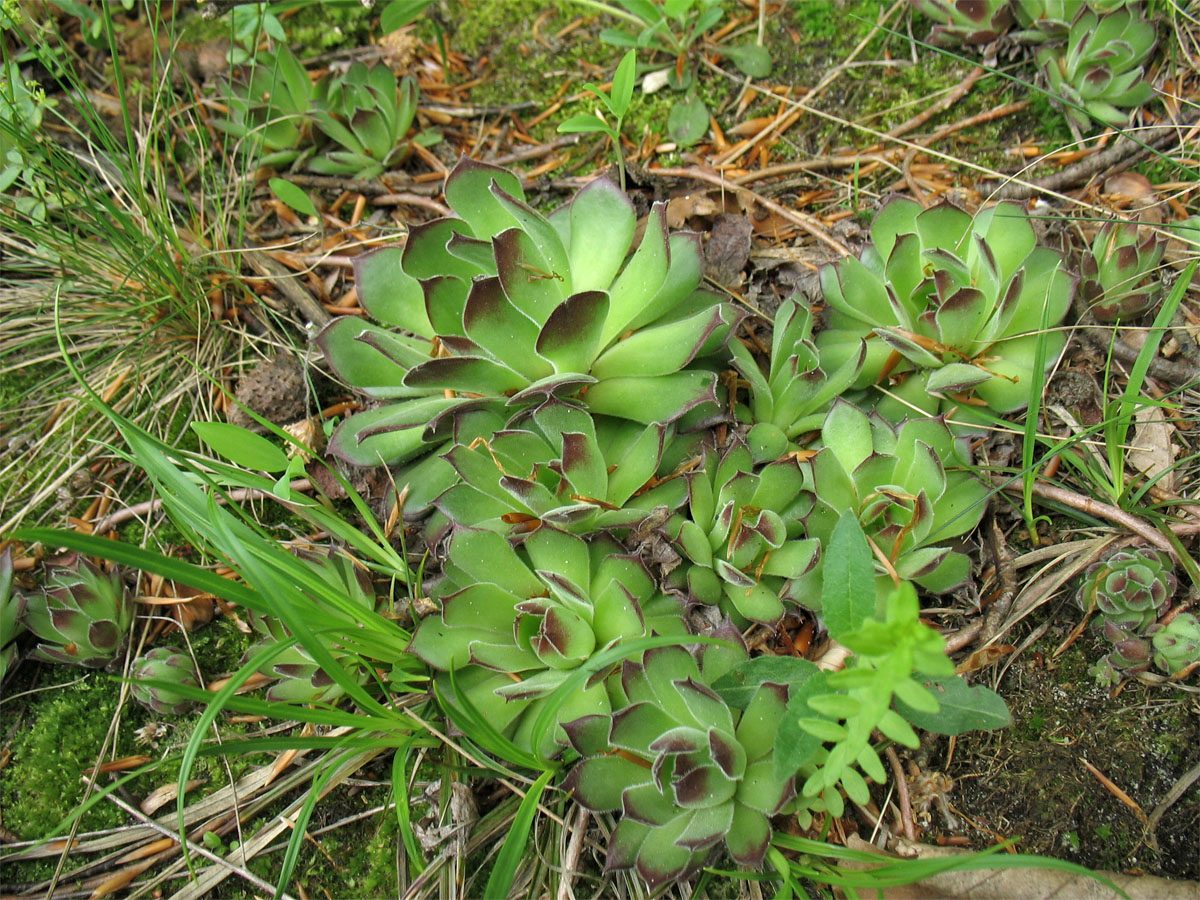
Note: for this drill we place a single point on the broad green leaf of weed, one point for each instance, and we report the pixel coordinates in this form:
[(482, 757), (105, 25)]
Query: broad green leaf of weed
[(848, 592), (963, 707), (247, 449)]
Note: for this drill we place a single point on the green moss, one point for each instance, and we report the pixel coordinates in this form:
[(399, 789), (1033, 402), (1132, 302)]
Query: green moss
[(61, 732)]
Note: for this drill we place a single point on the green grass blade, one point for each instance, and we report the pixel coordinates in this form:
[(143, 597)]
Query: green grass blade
[(505, 868), (147, 560)]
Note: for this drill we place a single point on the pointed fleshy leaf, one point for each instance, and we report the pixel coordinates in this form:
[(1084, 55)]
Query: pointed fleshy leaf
[(570, 337), (389, 293), (468, 194), (659, 398), (500, 328), (602, 223)]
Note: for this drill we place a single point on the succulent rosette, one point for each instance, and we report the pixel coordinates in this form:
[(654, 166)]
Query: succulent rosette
[(794, 393), (1101, 70), (741, 535), (373, 114), (12, 606), (273, 112), (686, 772), (950, 305), (1176, 645), (515, 623), (501, 308), (300, 677), (82, 617), (1045, 20), (1129, 591), (909, 486), (1120, 274), (154, 673), (556, 466), (971, 22)]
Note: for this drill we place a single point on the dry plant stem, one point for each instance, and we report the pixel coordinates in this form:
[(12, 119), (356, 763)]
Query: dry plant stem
[(196, 848), (959, 91), (1006, 584), (906, 817), (571, 861), (1096, 508), (1122, 153), (806, 222), (300, 485), (1181, 787), (292, 290)]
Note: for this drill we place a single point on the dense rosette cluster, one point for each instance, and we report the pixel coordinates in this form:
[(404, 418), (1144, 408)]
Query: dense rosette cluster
[(1129, 591), (515, 624), (741, 534), (83, 616), (556, 466), (970, 22), (501, 308), (1120, 274), (1176, 645), (148, 674), (794, 393), (686, 771), (901, 482), (1101, 68), (949, 304)]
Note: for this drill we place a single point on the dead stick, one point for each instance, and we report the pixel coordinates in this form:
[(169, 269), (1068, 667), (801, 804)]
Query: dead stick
[(571, 862), (806, 222), (237, 496), (1124, 151), (1096, 508), (292, 290), (906, 818), (960, 90)]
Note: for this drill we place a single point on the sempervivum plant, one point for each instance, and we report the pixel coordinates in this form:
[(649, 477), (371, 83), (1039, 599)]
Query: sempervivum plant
[(1100, 69), (687, 772), (556, 466), (11, 608), (1120, 278), (742, 537), (1129, 591), (501, 307), (367, 113), (154, 673), (949, 304), (793, 395), (82, 617), (300, 678), (1177, 644), (908, 487), (272, 113), (965, 21), (515, 624)]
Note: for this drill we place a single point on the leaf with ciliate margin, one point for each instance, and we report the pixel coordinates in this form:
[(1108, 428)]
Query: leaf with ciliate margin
[(739, 685), (848, 591), (964, 707), (793, 745)]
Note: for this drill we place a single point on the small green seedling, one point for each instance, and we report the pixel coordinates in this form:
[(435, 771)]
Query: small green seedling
[(617, 103)]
